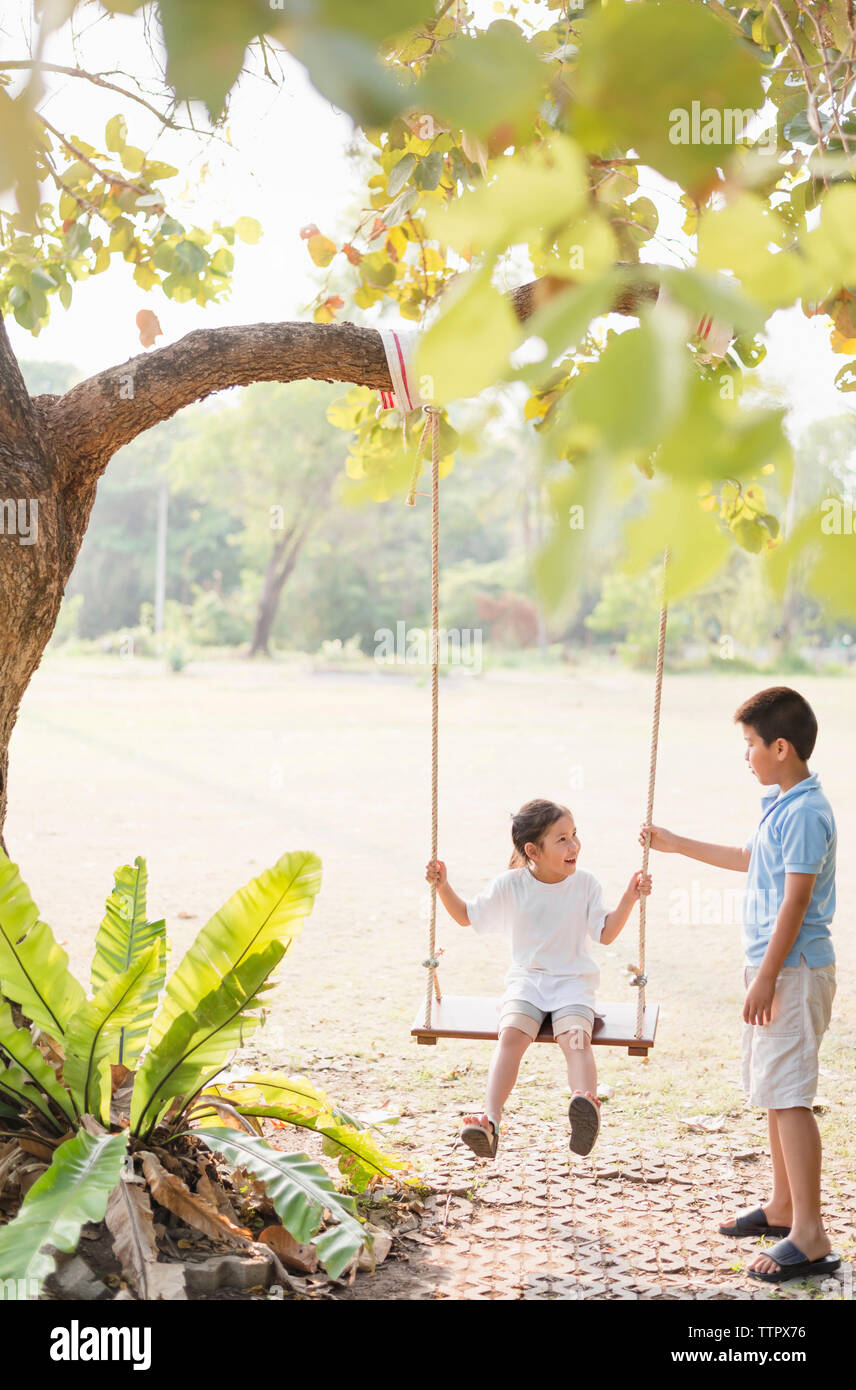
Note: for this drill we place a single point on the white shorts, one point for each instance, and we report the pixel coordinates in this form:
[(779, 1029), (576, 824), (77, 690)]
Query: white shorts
[(780, 1057)]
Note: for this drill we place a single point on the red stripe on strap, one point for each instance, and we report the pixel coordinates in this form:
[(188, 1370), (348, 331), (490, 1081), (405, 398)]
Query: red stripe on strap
[(403, 371)]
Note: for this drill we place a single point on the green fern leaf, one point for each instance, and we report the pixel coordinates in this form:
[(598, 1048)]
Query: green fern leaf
[(125, 935), (33, 967), (91, 1035), (18, 1044), (74, 1190), (300, 1190)]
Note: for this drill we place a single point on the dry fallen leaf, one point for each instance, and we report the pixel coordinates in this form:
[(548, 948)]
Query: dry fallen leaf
[(147, 322), (176, 1196), (704, 1124), (303, 1258), (130, 1222)]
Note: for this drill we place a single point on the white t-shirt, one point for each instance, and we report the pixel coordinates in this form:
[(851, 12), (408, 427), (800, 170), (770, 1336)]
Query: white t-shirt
[(547, 923)]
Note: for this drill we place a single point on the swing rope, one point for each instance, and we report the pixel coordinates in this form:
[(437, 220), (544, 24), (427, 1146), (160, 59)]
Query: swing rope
[(640, 979), (432, 422)]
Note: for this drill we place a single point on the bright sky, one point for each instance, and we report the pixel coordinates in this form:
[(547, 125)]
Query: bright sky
[(286, 165)]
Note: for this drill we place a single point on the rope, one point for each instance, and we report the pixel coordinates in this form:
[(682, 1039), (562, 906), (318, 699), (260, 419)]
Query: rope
[(640, 978), (432, 422)]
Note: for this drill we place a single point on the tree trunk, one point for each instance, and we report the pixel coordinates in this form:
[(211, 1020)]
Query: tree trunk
[(53, 450), (272, 588)]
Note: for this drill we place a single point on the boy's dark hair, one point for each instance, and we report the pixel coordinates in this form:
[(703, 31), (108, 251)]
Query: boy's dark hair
[(781, 713), (530, 825)]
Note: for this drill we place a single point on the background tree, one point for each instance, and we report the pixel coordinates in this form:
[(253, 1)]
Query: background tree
[(271, 460), (507, 151)]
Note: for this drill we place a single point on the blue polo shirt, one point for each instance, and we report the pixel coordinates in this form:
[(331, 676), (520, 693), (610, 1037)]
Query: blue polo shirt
[(796, 835)]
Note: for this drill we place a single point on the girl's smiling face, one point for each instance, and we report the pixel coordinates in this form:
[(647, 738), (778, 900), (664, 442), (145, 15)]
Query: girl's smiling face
[(557, 857)]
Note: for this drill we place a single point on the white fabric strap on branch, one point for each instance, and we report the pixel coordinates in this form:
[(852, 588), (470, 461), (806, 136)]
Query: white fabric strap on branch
[(400, 348), (712, 336)]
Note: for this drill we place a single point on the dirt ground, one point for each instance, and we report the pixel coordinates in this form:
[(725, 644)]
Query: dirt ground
[(211, 774)]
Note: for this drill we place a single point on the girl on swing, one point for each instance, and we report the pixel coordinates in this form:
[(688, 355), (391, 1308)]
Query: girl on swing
[(547, 906)]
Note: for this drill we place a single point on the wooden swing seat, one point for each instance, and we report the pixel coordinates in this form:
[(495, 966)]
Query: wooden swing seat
[(470, 1017)]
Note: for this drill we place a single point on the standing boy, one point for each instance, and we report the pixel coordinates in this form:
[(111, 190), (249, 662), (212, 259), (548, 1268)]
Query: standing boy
[(789, 972)]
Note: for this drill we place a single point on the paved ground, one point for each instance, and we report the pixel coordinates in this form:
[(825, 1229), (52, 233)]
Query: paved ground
[(637, 1228)]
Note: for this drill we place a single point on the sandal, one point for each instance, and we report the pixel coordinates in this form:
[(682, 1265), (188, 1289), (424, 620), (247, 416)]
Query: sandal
[(753, 1223), (584, 1116), (793, 1264), (477, 1138)]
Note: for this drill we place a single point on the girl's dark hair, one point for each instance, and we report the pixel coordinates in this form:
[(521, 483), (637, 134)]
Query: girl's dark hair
[(530, 825)]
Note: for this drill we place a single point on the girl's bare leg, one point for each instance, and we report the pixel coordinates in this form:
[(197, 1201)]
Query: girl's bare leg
[(504, 1066), (582, 1071)]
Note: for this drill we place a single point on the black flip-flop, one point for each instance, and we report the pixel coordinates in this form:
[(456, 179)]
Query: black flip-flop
[(753, 1223), (476, 1137), (793, 1264), (584, 1116)]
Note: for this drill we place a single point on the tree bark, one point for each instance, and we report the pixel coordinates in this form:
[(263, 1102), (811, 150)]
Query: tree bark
[(53, 450), (279, 569)]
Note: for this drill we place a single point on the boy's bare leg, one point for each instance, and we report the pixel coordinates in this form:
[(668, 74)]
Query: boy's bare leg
[(801, 1148), (582, 1071), (779, 1209), (504, 1066)]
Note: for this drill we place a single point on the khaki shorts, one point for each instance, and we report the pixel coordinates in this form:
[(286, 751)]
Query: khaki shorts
[(519, 1013), (780, 1057)]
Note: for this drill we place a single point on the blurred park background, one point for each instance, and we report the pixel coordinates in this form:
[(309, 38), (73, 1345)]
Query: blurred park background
[(259, 556)]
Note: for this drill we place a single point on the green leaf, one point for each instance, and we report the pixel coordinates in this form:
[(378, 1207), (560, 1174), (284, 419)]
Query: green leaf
[(482, 82), (536, 192), (829, 249), (18, 1044), (565, 319), (738, 237), (300, 1190), (647, 369), (190, 258), (74, 1190), (642, 72), (249, 230), (819, 551), (76, 240), (91, 1038), (467, 348), (376, 21), (269, 908), (198, 1043), (697, 543), (429, 171), (33, 967), (277, 1096), (399, 174), (845, 377), (132, 158), (15, 1085), (123, 937), (116, 133), (206, 45)]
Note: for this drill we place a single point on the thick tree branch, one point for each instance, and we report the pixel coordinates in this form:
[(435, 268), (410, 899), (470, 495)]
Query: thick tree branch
[(20, 429), (100, 415)]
